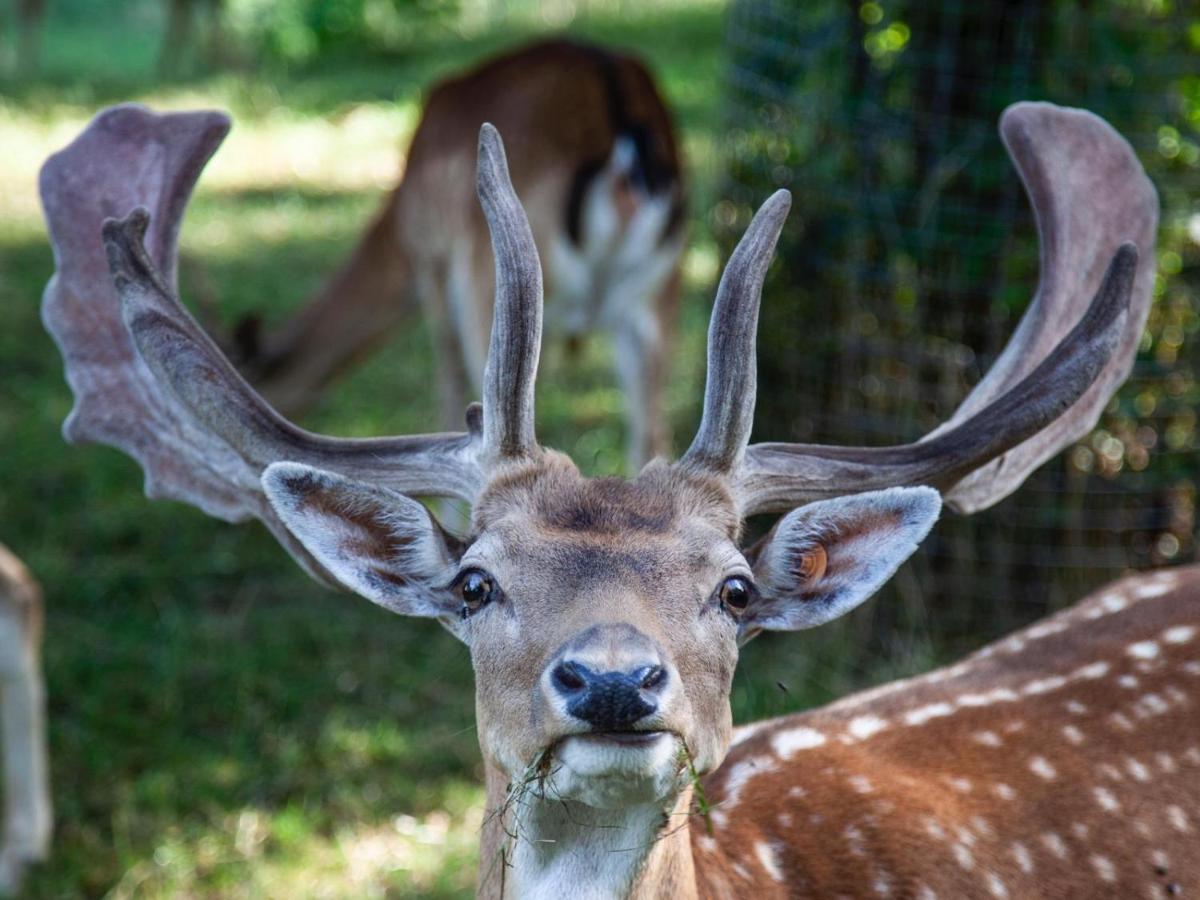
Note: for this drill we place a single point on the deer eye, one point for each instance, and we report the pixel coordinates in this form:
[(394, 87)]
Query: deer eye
[(477, 589), (735, 593)]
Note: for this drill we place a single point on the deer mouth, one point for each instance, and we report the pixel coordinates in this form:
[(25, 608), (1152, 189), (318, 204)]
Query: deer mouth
[(623, 738)]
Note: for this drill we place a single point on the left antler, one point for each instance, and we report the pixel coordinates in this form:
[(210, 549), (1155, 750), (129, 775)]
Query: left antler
[(156, 386), (1097, 213)]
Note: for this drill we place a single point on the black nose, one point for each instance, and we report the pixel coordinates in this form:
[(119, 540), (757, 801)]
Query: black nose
[(608, 701)]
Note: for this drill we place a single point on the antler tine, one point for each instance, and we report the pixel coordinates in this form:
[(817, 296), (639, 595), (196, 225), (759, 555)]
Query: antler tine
[(731, 381), (511, 371), (147, 378), (1097, 213)]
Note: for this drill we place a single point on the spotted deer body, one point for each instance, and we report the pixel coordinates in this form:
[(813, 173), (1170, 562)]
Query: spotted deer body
[(1061, 761), (27, 812), (604, 617), (596, 163)]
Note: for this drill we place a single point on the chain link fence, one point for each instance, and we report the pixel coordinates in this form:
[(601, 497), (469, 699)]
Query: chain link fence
[(911, 254)]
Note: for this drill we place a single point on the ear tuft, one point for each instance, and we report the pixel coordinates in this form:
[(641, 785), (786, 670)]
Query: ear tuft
[(822, 560)]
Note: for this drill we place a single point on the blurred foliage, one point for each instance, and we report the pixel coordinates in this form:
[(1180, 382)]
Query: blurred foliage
[(299, 30), (911, 243)]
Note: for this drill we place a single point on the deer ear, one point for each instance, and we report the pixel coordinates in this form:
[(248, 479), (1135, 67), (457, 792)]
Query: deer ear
[(379, 544), (822, 560)]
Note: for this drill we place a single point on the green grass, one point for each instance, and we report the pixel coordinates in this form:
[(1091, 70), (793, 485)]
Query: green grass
[(220, 725)]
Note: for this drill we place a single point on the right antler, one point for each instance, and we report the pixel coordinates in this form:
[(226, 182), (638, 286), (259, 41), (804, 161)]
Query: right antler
[(1097, 213), (175, 403)]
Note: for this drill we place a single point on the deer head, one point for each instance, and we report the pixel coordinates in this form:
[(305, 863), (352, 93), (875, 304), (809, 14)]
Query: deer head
[(603, 616)]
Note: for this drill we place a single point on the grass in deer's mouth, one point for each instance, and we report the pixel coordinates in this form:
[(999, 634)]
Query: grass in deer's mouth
[(700, 805)]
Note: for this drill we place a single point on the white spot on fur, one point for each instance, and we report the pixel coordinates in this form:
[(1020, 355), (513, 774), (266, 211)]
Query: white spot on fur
[(854, 837), (996, 886), (1137, 770), (925, 713), (1129, 682), (1076, 708), (863, 727), (1080, 831), (1091, 671), (1072, 734), (1160, 858), (861, 784), (707, 844), (1179, 819), (797, 792), (1121, 722), (1106, 799), (1003, 791), (788, 743), (882, 885), (1113, 602), (963, 857), (1105, 870), (1109, 771), (1146, 591), (962, 785), (1040, 766), (1192, 755), (1022, 856), (925, 892), (739, 775), (1192, 667), (785, 820), (1150, 705), (987, 738), (1055, 844), (1143, 650), (1044, 685), (934, 829), (1166, 762), (1180, 634), (1045, 629), (766, 856)]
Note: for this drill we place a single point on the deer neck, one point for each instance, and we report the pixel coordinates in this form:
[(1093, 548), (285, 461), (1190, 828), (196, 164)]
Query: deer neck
[(543, 847)]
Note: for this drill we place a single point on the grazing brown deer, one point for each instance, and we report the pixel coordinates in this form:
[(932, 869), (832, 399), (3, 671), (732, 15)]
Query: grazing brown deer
[(596, 164), (604, 616), (27, 811)]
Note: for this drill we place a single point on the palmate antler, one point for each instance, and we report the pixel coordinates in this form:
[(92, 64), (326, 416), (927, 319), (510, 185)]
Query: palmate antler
[(1097, 213), (149, 381)]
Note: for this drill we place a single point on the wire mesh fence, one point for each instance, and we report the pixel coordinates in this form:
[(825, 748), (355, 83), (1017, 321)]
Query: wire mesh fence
[(911, 254)]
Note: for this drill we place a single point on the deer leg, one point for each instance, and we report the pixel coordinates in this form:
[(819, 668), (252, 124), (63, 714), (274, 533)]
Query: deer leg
[(27, 811)]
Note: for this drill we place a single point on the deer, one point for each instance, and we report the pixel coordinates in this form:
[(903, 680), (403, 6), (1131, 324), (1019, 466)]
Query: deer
[(28, 815), (596, 161), (605, 616)]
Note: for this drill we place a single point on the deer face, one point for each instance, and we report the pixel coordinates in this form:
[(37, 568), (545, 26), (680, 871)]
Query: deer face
[(603, 616)]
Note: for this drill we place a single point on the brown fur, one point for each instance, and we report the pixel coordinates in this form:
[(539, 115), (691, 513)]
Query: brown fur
[(831, 839)]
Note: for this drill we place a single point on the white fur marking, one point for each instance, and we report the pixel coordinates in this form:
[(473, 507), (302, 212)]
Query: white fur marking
[(863, 727), (1179, 819), (1040, 766), (1105, 870), (925, 713), (766, 856), (1022, 856), (1180, 634), (1055, 844), (788, 743), (1106, 799), (1143, 650)]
